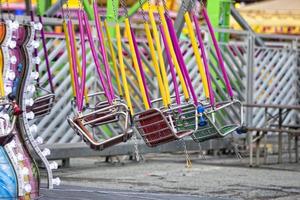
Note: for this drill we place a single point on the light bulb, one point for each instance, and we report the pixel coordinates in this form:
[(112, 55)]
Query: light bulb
[(30, 115), (27, 188), (53, 165), (34, 75), (38, 26), (35, 44), (12, 44), (25, 171), (36, 60), (29, 102), (46, 152), (20, 157), (39, 140), (13, 144), (13, 60), (15, 25), (31, 89), (33, 129), (56, 181), (8, 89), (11, 75)]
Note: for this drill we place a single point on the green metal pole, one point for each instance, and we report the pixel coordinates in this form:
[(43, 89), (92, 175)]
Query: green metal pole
[(88, 9), (219, 14), (42, 6), (133, 9), (111, 8)]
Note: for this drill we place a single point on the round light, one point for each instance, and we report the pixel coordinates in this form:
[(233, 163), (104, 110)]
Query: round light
[(27, 188), (30, 115), (29, 102)]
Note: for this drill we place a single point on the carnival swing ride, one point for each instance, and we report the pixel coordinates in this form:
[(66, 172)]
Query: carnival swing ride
[(177, 114)]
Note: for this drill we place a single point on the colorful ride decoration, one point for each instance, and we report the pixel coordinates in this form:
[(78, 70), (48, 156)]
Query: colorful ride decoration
[(18, 42)]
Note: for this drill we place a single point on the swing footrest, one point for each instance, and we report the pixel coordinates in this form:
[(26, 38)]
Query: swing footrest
[(42, 105), (156, 129), (100, 117), (221, 121)]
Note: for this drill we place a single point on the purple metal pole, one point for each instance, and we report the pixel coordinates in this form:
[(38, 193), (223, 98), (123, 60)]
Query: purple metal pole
[(74, 66), (205, 62), (172, 70), (96, 59), (180, 58), (218, 51), (103, 51), (83, 55), (140, 65)]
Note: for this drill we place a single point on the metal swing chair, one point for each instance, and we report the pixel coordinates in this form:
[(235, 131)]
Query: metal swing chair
[(44, 98), (158, 126), (214, 125), (102, 112)]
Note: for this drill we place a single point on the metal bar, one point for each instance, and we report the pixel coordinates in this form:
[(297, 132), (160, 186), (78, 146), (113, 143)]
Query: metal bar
[(297, 148), (257, 149), (61, 151), (280, 137), (249, 92), (55, 7), (243, 23), (133, 9), (28, 7)]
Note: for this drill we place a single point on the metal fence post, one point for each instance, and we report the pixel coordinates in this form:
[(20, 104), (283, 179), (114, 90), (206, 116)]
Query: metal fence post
[(249, 92)]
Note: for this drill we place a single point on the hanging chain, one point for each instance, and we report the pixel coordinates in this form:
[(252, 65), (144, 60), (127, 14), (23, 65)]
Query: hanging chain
[(187, 156), (157, 6), (124, 6), (1, 9), (143, 11), (202, 5), (166, 8), (79, 4), (184, 6), (68, 10), (115, 11)]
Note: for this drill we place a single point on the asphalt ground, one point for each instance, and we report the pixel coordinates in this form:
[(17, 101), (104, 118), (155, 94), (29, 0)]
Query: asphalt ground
[(165, 176)]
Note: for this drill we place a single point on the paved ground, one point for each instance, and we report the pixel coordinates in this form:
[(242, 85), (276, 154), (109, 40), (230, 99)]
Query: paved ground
[(166, 177)]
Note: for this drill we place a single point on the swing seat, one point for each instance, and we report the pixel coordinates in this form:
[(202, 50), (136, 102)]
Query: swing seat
[(224, 119), (43, 104), (102, 115), (159, 126)]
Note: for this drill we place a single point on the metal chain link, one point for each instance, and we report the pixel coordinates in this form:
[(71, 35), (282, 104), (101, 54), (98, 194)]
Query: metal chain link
[(62, 10), (68, 10), (143, 11), (166, 8), (115, 12), (187, 156), (124, 6), (1, 9), (157, 6)]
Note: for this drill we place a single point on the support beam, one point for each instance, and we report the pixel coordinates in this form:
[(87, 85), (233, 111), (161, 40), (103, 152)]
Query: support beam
[(112, 10), (133, 9), (54, 8), (88, 9), (179, 21), (219, 14), (244, 24), (42, 6), (28, 7)]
